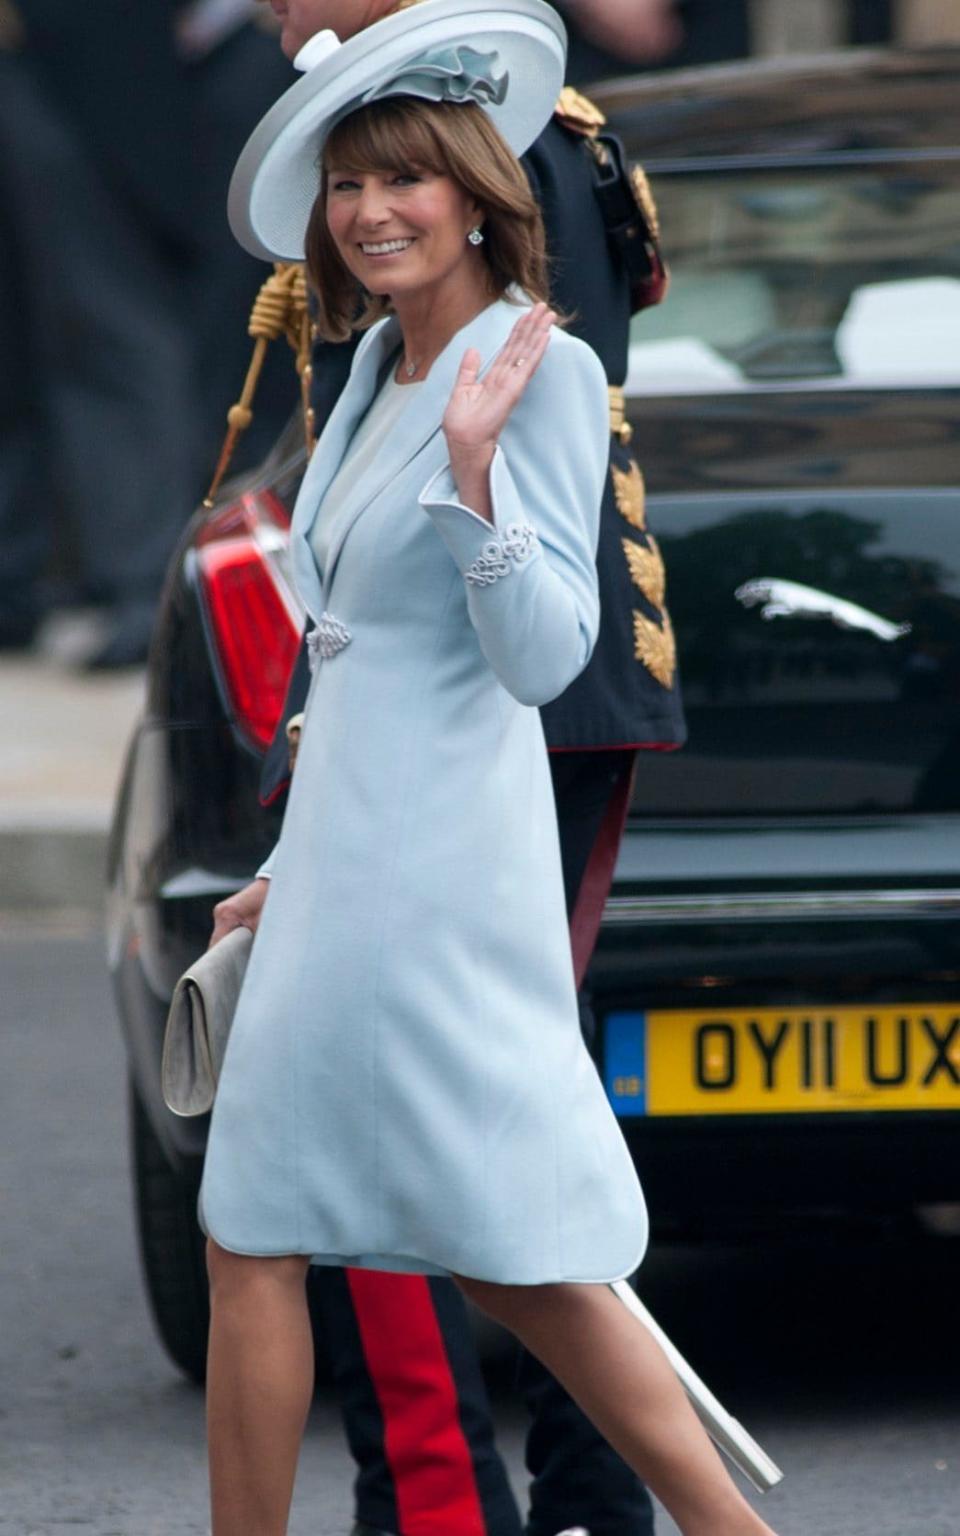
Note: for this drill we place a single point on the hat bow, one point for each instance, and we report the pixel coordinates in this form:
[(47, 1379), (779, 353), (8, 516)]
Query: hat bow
[(457, 73)]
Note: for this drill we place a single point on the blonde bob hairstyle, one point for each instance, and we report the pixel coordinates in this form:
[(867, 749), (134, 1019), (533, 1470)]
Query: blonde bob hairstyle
[(402, 134)]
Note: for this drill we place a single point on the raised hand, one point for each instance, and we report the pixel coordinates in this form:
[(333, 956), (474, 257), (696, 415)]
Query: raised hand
[(479, 408)]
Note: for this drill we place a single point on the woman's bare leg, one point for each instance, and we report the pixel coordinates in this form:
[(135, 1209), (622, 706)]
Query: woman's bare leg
[(616, 1371), (259, 1387)]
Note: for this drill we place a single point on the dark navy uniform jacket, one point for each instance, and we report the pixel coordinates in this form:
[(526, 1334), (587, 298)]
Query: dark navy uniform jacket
[(628, 696)]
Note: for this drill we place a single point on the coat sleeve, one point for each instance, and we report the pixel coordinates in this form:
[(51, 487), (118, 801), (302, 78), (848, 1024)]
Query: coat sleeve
[(531, 575)]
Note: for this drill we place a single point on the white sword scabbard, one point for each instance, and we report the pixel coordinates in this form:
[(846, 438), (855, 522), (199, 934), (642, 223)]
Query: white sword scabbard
[(731, 1437)]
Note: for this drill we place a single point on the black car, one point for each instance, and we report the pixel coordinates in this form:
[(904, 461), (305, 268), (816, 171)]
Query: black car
[(777, 982)]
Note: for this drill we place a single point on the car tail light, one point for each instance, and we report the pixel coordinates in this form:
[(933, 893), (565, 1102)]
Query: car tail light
[(255, 618)]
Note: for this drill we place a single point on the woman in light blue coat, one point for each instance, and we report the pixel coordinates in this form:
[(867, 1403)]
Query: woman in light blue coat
[(406, 1085)]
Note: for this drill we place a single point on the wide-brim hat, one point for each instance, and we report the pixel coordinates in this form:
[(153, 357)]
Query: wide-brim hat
[(507, 55)]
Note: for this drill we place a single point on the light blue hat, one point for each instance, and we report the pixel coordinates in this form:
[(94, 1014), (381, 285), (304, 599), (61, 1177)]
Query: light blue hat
[(507, 56)]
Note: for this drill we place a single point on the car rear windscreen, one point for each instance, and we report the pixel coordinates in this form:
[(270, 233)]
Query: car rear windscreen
[(840, 273)]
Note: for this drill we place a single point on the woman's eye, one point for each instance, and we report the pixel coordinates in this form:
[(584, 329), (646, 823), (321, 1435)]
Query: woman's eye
[(350, 183)]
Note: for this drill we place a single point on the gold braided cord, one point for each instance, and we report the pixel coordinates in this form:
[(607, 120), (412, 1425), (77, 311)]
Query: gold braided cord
[(299, 302), (280, 309)]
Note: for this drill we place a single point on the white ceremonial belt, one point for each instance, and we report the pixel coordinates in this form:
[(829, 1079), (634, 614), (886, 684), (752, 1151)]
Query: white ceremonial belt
[(726, 1433)]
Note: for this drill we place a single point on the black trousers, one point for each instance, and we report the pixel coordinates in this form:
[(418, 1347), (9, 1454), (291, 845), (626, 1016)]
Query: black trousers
[(120, 349), (414, 1404)]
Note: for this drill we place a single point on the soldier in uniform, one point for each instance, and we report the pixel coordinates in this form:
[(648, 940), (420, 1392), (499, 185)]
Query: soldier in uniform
[(415, 1410)]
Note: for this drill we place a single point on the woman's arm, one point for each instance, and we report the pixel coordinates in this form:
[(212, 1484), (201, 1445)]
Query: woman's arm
[(521, 518)]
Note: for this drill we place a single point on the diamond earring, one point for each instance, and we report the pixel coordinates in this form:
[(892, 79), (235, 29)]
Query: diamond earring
[(476, 236)]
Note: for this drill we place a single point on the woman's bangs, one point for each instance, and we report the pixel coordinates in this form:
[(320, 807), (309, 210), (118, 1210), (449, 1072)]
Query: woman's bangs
[(386, 136)]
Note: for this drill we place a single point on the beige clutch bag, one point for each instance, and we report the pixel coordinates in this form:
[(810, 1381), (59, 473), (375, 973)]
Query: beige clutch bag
[(198, 1024)]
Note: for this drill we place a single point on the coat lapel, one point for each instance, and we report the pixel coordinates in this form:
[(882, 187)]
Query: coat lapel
[(328, 456), (420, 422)]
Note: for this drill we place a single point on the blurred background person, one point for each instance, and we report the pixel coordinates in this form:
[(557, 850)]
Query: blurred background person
[(925, 23), (615, 37), (119, 125), (609, 36)]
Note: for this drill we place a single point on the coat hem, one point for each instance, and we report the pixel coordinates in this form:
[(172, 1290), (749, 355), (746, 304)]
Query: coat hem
[(412, 1264)]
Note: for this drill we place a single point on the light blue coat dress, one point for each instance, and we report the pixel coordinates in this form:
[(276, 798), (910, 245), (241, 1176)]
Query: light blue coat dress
[(406, 1087)]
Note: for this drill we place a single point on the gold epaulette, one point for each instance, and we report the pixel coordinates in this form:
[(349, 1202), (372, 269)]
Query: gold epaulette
[(645, 199), (579, 113)]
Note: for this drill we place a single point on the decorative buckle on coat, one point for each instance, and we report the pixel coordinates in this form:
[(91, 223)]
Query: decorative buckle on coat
[(326, 639)]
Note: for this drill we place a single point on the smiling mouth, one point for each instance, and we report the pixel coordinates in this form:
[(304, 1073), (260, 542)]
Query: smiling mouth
[(385, 247)]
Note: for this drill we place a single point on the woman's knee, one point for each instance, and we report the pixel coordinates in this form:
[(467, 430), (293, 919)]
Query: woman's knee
[(514, 1306)]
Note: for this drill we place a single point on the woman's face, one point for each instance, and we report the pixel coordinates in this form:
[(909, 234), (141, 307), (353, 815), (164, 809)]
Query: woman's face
[(401, 231)]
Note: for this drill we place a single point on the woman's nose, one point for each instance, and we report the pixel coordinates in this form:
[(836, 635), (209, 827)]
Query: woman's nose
[(372, 207)]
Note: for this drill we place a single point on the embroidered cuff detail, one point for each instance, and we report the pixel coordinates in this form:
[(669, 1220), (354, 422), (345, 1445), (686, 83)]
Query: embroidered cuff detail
[(325, 640), (518, 543)]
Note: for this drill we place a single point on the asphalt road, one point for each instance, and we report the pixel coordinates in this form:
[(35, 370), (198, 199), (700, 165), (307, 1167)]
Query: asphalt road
[(838, 1347)]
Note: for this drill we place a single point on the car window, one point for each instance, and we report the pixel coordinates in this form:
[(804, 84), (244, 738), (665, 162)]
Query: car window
[(826, 276)]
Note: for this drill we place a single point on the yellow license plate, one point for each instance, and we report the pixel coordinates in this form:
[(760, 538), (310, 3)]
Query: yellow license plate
[(775, 1061)]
